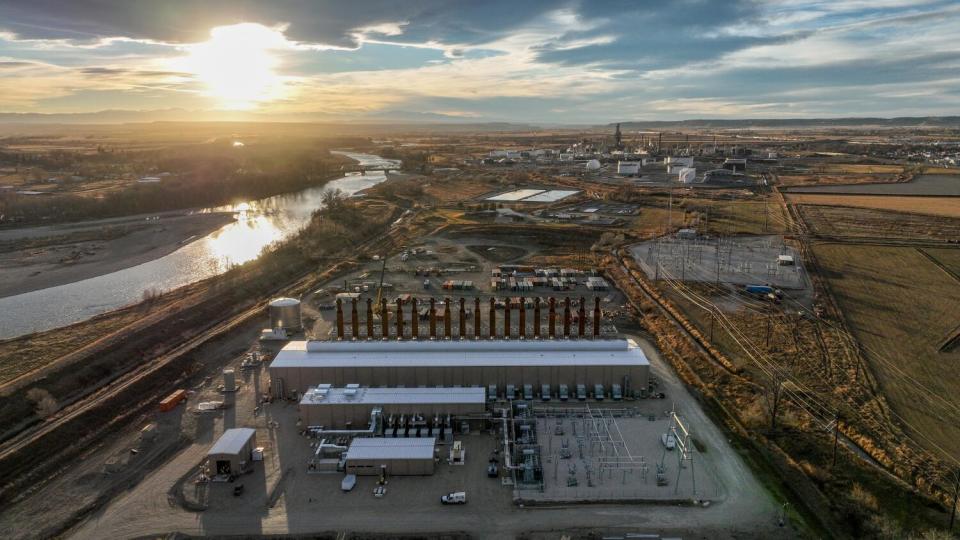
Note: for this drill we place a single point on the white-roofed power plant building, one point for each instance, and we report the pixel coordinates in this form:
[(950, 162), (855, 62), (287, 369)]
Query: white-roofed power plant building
[(459, 363), (339, 408)]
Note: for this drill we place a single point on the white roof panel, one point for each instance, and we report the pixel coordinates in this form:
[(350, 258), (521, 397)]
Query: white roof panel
[(396, 396), (515, 195), (381, 448), (466, 353), (232, 441)]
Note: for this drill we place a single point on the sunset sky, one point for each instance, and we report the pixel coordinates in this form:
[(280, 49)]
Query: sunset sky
[(559, 62)]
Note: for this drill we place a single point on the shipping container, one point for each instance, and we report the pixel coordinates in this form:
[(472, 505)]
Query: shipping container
[(174, 399)]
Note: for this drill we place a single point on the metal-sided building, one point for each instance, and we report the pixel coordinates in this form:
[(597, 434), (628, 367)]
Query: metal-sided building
[(232, 451), (337, 408), (368, 456), (465, 363)]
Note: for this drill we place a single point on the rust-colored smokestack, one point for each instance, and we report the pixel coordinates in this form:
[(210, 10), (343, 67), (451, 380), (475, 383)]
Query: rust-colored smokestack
[(506, 319), (552, 329), (369, 318), (463, 319), (339, 319), (523, 318), (536, 317), (399, 318), (566, 317), (414, 319), (354, 319), (433, 319), (476, 318), (446, 318), (582, 318), (384, 319), (596, 317), (493, 318)]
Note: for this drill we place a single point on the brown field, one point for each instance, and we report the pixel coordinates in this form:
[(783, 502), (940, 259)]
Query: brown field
[(871, 223), (822, 179), (934, 206), (949, 258), (901, 306)]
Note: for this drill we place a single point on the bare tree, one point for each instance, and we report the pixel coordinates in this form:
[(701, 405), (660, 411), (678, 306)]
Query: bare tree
[(46, 405), (774, 395)]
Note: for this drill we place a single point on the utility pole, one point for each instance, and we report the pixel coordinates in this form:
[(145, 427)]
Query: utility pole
[(766, 215), (836, 437), (769, 328), (956, 490)]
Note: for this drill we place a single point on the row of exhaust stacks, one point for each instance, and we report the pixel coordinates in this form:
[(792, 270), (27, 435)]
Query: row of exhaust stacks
[(507, 330)]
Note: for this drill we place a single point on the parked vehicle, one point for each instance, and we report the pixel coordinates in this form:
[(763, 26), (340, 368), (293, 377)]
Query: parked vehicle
[(668, 441), (492, 470), (238, 490), (457, 497), (348, 482)]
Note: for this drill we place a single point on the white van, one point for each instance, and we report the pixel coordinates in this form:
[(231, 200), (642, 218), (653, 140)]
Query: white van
[(458, 497)]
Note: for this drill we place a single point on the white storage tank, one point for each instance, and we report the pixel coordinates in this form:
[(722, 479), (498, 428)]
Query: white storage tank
[(229, 381), (285, 314), (593, 165)]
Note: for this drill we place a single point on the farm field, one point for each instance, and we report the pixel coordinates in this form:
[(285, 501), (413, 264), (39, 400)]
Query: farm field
[(934, 206), (923, 185), (901, 307), (949, 258), (871, 223)]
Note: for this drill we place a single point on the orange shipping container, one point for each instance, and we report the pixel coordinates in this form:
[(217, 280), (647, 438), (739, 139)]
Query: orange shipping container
[(173, 400)]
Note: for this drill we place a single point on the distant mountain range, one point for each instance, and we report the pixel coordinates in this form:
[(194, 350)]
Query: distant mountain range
[(904, 121)]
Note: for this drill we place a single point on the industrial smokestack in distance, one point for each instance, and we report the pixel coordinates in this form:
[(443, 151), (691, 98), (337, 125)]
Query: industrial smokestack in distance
[(399, 318), (433, 319), (446, 318), (384, 319), (414, 319), (493, 319), (596, 317), (369, 318), (476, 317), (536, 318), (552, 329), (523, 317), (566, 317), (506, 319), (354, 320), (582, 318), (463, 319), (339, 319)]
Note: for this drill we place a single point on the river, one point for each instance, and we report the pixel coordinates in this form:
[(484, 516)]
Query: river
[(258, 224)]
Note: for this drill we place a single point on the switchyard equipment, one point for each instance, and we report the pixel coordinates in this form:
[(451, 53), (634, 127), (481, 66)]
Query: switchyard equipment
[(465, 363)]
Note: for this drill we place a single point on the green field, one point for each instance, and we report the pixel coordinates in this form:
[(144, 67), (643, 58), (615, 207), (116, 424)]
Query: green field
[(901, 306)]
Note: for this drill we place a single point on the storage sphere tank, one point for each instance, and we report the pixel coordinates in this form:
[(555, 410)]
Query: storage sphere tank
[(285, 314), (593, 165)]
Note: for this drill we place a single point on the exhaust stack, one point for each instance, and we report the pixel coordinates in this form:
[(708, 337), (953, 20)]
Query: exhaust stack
[(493, 319), (476, 318), (339, 319), (446, 318), (552, 329), (384, 319), (566, 317), (414, 319), (399, 318), (369, 318), (506, 319), (582, 318), (463, 319), (596, 317), (536, 317), (523, 318), (433, 319), (354, 320)]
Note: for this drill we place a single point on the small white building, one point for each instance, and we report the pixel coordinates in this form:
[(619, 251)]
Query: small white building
[(687, 175), (785, 260), (408, 456), (233, 452), (628, 168)]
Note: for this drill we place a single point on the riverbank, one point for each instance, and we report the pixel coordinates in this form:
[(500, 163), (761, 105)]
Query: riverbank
[(41, 257)]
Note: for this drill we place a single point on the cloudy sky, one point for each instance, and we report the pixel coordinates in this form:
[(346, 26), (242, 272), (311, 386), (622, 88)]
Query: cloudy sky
[(588, 61)]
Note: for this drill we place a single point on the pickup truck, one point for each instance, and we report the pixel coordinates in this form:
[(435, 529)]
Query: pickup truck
[(457, 497)]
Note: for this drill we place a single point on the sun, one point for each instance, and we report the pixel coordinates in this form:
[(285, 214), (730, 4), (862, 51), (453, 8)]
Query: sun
[(237, 65)]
